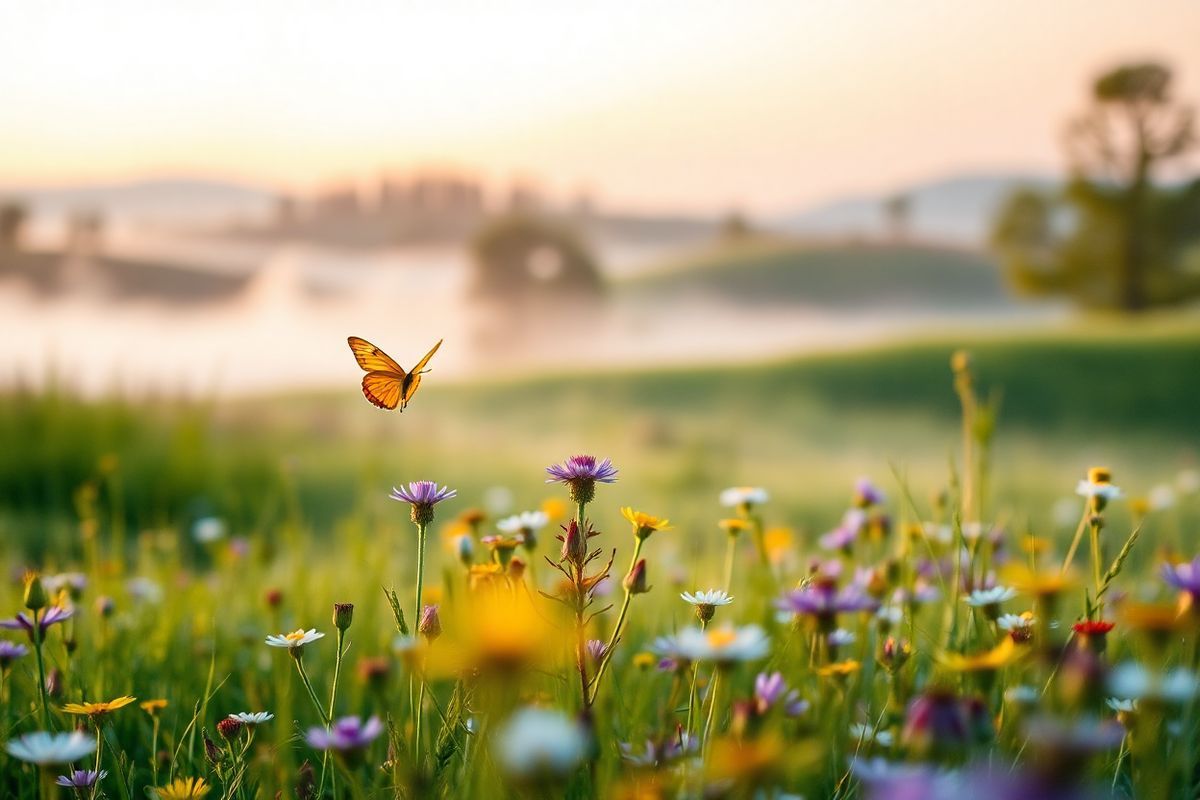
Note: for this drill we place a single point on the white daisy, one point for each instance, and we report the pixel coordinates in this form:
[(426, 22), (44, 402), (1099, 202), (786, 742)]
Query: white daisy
[(722, 645), (890, 615), (296, 639), (744, 496), (525, 521), (712, 597), (1117, 704), (1088, 488), (990, 597), (253, 717), (1011, 622), (51, 748), (537, 742)]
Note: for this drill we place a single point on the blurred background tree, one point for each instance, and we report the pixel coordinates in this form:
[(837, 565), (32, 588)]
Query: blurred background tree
[(1112, 237)]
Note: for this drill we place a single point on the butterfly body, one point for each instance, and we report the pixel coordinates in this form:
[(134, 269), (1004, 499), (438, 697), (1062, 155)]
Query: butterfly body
[(387, 385)]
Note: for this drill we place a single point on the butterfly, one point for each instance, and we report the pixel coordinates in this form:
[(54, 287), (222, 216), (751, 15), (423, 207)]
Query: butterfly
[(386, 384)]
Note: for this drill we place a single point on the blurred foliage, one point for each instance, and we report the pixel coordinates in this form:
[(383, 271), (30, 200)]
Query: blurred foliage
[(1113, 238)]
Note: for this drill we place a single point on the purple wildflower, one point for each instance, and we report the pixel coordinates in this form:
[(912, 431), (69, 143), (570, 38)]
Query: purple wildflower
[(847, 531), (824, 602), (580, 474), (51, 616), (596, 649), (422, 496), (936, 722), (770, 688), (659, 753), (867, 494), (1185, 577), (81, 778), (10, 652), (884, 780), (348, 733)]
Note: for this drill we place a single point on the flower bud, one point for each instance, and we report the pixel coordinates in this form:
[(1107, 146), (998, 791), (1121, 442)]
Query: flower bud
[(465, 548), (343, 615), (705, 612), (516, 569), (211, 751), (575, 546), (35, 593), (274, 598), (431, 625), (635, 581), (105, 606), (54, 683), (229, 728)]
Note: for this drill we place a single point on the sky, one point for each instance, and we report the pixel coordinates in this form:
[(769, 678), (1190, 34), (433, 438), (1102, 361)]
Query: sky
[(691, 106)]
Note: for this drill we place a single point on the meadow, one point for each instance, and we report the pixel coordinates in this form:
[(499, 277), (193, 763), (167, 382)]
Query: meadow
[(893, 532)]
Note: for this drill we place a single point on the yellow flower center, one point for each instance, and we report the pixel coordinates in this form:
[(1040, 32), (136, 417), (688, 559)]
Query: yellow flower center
[(295, 636), (721, 639)]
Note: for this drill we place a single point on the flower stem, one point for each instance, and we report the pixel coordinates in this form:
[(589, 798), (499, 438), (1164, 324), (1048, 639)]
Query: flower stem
[(712, 706), (312, 694), (616, 634), (730, 550), (41, 665)]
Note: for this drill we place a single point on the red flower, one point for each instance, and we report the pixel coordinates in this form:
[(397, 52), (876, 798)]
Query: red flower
[(1092, 627)]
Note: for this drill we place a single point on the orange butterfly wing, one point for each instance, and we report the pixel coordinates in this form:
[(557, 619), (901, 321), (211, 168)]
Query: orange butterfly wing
[(372, 359), (421, 364), (383, 388)]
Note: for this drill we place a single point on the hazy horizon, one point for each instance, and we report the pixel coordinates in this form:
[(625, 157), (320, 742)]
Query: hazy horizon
[(675, 107)]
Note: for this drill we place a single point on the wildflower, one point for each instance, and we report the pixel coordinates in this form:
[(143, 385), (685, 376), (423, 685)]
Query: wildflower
[(554, 509), (81, 778), (866, 494), (936, 722), (183, 789), (1121, 706), (596, 649), (343, 615), (734, 525), (152, 707), (537, 744), (274, 598), (1093, 634), (823, 601), (839, 669), (525, 526), (846, 533), (723, 646), (422, 496), (252, 718), (1079, 737), (35, 592), (207, 530), (464, 548), (98, 710), (346, 734), (1098, 488), (483, 575), (375, 672), (998, 657), (840, 638), (51, 748), (580, 474), (778, 544), (430, 625), (1018, 626), (1132, 681), (1161, 497), (883, 779), (295, 640), (502, 548), (706, 602), (770, 688), (644, 661), (10, 652), (658, 754), (1185, 577), (743, 497), (52, 616), (644, 524), (230, 727), (888, 617), (635, 581), (893, 654)]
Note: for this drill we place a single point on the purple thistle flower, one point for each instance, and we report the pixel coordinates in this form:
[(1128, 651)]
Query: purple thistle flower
[(422, 496), (81, 778), (10, 652), (348, 733), (1185, 577), (580, 474), (52, 615)]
